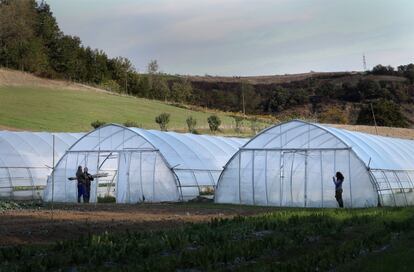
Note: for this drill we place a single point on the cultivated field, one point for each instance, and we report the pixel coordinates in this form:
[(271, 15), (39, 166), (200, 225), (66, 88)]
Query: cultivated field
[(205, 236)]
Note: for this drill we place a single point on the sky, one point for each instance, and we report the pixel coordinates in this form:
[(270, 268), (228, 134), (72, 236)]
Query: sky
[(244, 37)]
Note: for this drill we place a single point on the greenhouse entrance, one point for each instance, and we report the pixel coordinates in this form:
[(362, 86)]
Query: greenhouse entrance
[(101, 163), (306, 176), (128, 176)]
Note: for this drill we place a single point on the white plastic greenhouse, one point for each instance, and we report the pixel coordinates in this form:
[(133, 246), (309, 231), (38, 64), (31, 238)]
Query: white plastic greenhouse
[(292, 164), (26, 160), (143, 165)]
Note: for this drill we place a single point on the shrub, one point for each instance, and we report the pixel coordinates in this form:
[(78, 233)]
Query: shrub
[(162, 120), (214, 123), (191, 124), (96, 124), (333, 115), (132, 124), (111, 85)]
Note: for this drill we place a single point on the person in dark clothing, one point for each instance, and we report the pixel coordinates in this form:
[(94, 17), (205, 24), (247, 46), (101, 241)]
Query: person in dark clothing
[(88, 180), (81, 183), (338, 179)]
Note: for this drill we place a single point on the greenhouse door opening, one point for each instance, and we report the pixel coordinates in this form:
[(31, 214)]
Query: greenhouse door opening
[(306, 177)]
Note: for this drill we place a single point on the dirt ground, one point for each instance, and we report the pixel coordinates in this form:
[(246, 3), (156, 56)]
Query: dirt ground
[(35, 226)]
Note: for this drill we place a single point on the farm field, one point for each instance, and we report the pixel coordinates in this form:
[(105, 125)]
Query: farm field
[(66, 110), (205, 236)]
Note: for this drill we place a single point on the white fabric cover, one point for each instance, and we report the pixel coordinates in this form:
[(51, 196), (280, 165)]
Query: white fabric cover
[(26, 160), (292, 164)]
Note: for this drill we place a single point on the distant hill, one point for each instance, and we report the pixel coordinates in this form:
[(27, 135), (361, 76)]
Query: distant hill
[(336, 97)]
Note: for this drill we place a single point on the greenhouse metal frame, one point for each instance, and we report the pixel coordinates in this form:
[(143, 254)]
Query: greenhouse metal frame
[(26, 160), (292, 164), (143, 165)]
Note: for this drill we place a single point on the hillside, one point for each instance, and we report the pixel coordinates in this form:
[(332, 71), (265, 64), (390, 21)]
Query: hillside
[(337, 97), (31, 103)]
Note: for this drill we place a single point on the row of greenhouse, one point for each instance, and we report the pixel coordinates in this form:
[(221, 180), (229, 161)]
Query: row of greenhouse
[(289, 164)]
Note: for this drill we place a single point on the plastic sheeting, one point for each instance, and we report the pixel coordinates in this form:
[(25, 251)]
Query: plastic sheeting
[(292, 164), (143, 165), (26, 161)]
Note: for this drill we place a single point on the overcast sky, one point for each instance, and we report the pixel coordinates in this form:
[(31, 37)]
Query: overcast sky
[(241, 37)]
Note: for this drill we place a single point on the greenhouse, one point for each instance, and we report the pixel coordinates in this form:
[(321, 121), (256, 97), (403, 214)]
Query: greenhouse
[(26, 160), (292, 164), (138, 165)]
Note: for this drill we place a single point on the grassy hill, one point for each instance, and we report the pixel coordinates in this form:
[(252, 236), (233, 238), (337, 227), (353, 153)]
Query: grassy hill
[(31, 103), (49, 109)]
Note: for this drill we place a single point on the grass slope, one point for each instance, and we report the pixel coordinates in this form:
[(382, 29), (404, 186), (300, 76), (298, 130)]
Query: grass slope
[(281, 240), (50, 109)]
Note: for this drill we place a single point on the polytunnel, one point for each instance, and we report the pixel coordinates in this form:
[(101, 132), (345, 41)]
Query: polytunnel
[(26, 160), (143, 165), (292, 164)]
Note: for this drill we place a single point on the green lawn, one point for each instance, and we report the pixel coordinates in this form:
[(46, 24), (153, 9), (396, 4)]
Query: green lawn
[(376, 239), (46, 109)]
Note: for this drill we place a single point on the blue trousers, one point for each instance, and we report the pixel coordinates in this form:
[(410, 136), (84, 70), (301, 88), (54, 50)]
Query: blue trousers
[(81, 191)]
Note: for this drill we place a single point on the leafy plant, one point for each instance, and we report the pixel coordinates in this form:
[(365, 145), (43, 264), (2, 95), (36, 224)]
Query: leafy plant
[(96, 124), (214, 123), (162, 120), (191, 124)]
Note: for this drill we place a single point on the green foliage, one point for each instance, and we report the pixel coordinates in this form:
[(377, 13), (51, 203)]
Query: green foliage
[(191, 124), (387, 113), (181, 91), (106, 199), (132, 124), (97, 123), (162, 120), (282, 240), (214, 123), (111, 85)]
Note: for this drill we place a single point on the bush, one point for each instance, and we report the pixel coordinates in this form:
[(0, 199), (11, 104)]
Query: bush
[(333, 115), (162, 120), (214, 123), (191, 124), (132, 124), (96, 124), (111, 85)]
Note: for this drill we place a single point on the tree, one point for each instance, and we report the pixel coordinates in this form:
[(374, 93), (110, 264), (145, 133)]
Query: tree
[(162, 120), (191, 124), (96, 124), (387, 113), (214, 123), (181, 90), (249, 100)]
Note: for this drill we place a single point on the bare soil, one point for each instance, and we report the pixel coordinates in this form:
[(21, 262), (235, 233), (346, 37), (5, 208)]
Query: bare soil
[(71, 221)]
